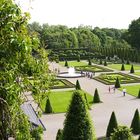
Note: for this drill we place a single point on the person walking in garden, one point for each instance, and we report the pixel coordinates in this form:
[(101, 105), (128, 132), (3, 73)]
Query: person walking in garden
[(124, 92), (109, 89), (114, 89)]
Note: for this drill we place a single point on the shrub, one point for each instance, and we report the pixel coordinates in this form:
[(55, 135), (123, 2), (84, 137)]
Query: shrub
[(78, 87), (101, 62), (78, 125), (122, 133), (89, 62), (132, 69), (59, 134), (139, 138), (85, 96), (117, 84), (48, 108), (66, 64), (112, 125), (105, 63), (122, 68), (139, 94), (135, 125), (96, 98), (78, 58), (36, 133)]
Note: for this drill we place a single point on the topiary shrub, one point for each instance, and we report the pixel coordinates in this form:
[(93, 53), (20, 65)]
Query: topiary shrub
[(85, 96), (48, 108), (139, 138), (78, 58), (132, 69), (135, 125), (122, 68), (66, 64), (139, 94), (78, 87), (89, 62), (105, 63), (117, 84), (96, 98), (59, 134), (122, 133), (112, 125), (78, 125), (101, 62)]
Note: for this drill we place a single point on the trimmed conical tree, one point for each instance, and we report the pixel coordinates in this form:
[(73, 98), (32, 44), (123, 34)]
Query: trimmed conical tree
[(89, 62), (78, 87), (139, 138), (135, 125), (139, 94), (122, 68), (85, 96), (112, 125), (101, 62), (132, 69), (48, 108), (105, 63), (59, 134), (117, 84), (78, 58), (66, 64), (78, 125), (96, 98)]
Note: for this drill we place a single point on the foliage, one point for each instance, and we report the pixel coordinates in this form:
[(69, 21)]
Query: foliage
[(117, 84), (122, 68), (77, 124), (135, 124), (48, 108), (89, 62), (132, 69), (96, 98), (78, 87), (139, 94), (36, 133), (66, 63), (101, 62), (105, 63), (122, 133), (139, 138), (111, 125), (59, 134)]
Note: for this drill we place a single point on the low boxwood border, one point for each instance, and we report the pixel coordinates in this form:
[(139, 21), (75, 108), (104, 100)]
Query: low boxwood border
[(95, 66), (136, 79), (67, 83)]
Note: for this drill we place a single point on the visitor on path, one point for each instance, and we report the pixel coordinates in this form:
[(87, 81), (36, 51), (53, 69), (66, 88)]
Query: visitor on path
[(124, 92), (114, 89), (109, 89)]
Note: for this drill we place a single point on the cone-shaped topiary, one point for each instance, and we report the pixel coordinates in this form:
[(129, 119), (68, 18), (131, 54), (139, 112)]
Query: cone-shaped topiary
[(117, 84), (89, 62), (139, 94), (122, 68), (122, 133), (78, 87), (105, 63), (135, 125), (101, 62), (78, 58), (48, 108), (132, 69), (59, 134), (96, 98), (139, 138), (112, 125), (85, 96), (78, 125), (66, 64)]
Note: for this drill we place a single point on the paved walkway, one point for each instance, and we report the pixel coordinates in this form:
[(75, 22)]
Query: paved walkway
[(124, 107)]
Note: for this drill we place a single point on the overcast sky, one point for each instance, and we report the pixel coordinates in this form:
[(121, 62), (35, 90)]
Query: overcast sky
[(101, 13)]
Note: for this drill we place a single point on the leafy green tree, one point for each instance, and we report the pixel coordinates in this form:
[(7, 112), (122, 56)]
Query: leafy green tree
[(96, 98), (78, 124), (59, 134), (48, 108), (139, 94), (117, 83), (135, 125), (132, 69), (78, 87), (112, 125), (122, 133), (122, 68)]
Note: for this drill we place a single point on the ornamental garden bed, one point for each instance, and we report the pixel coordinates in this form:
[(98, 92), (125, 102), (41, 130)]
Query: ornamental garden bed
[(73, 63), (92, 68), (110, 78)]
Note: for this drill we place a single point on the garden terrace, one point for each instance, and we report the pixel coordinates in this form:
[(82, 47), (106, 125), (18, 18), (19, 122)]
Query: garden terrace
[(110, 78), (92, 68), (73, 63)]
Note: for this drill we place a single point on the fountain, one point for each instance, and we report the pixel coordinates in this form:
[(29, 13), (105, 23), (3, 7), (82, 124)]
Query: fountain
[(70, 74)]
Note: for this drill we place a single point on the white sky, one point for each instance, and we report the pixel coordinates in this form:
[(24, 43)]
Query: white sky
[(101, 13)]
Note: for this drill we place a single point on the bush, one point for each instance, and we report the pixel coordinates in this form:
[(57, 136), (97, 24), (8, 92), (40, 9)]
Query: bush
[(101, 62), (135, 125), (48, 108), (112, 125), (85, 96), (132, 69), (89, 62), (66, 64), (117, 84), (105, 63), (78, 87), (122, 68), (36, 133), (78, 125), (78, 58), (96, 98), (122, 133), (59, 134), (139, 94)]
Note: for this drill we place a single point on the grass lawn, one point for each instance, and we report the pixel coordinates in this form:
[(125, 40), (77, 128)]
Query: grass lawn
[(73, 63), (132, 90), (127, 67), (60, 100), (137, 73)]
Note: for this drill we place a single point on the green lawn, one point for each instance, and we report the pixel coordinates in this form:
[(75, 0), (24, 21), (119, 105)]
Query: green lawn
[(132, 90), (127, 67), (73, 63), (137, 73), (60, 100)]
